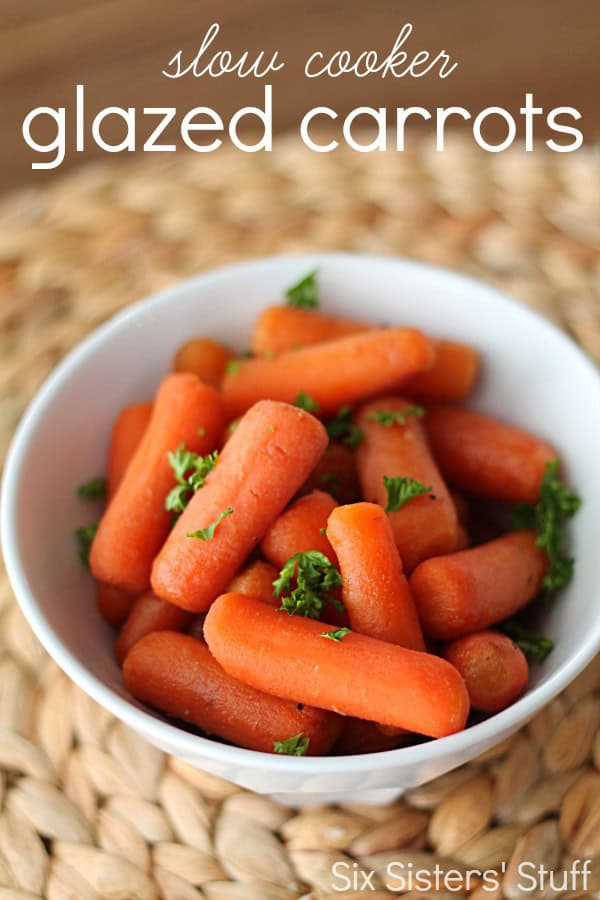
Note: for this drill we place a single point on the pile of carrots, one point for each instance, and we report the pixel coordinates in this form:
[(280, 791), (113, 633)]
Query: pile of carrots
[(306, 550)]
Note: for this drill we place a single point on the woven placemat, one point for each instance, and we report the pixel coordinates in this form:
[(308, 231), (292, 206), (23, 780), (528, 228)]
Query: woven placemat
[(88, 809)]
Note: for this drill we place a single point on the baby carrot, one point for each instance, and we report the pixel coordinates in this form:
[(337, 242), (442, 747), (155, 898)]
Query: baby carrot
[(113, 603), (282, 328), (425, 525), (149, 614), (375, 591), (262, 466), (473, 589), (494, 668), (128, 430), (256, 580), (203, 357), (300, 527), (177, 674), (355, 676), (331, 374), (136, 523), (336, 473), (486, 457), (360, 736)]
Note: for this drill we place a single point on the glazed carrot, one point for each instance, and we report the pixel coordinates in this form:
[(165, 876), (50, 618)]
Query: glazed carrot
[(177, 674), (332, 374), (149, 614), (136, 523), (462, 538), (256, 580), (336, 473), (282, 328), (494, 669), (426, 525), (205, 358), (486, 457), (299, 528), (472, 589), (375, 591), (360, 736), (357, 676), (128, 430), (113, 603), (451, 376), (267, 459)]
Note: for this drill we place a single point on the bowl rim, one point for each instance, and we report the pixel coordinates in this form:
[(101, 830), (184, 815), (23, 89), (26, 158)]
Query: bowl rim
[(187, 744)]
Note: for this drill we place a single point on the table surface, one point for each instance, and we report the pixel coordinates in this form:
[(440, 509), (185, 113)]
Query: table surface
[(89, 810)]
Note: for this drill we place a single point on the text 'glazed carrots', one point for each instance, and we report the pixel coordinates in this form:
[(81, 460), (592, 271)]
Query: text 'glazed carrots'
[(309, 548), (357, 676)]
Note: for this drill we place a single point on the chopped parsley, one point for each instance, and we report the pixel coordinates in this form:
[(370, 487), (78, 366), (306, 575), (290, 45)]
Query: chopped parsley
[(402, 489), (547, 517), (94, 489), (190, 470), (342, 428), (208, 533), (84, 537), (337, 635), (233, 367), (314, 577), (304, 293), (535, 646), (305, 401), (294, 746), (389, 417)]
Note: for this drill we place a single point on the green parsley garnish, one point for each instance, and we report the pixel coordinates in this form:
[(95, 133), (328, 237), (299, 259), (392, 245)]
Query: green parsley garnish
[(402, 489), (337, 635), (94, 489), (84, 537), (547, 517), (190, 472), (534, 646), (233, 367), (294, 746), (342, 428), (233, 425), (315, 577), (304, 293), (306, 402), (389, 417), (208, 533), (201, 431)]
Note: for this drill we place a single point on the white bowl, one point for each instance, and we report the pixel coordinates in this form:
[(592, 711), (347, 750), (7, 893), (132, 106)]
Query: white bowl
[(534, 376)]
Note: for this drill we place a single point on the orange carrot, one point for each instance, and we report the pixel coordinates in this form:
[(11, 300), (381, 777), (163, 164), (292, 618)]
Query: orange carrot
[(147, 615), (486, 457), (473, 589), (463, 539), (128, 431), (451, 376), (136, 523), (360, 736), (300, 528), (426, 525), (204, 358), (336, 473), (282, 328), (256, 580), (357, 676), (332, 374), (375, 591), (176, 674), (267, 459), (494, 668), (113, 603)]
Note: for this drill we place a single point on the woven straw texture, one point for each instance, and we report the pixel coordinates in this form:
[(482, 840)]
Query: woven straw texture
[(88, 809)]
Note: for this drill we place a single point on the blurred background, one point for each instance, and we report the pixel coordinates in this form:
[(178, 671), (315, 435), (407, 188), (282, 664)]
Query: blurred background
[(118, 48)]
